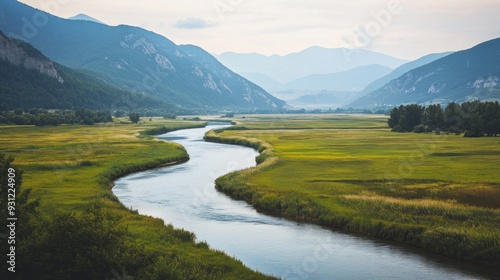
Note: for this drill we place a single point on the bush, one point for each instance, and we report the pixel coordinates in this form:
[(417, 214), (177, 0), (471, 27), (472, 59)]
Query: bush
[(134, 117), (170, 116), (398, 128), (419, 128)]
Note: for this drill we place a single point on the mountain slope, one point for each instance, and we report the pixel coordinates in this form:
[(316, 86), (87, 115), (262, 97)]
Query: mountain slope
[(263, 81), (313, 60), (396, 73), (139, 60), (28, 79), (352, 80), (472, 74)]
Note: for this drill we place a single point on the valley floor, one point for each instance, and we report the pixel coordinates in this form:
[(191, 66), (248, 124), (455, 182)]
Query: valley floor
[(70, 168), (437, 192)]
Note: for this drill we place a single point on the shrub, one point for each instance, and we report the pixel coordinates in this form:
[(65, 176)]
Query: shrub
[(419, 128), (397, 128)]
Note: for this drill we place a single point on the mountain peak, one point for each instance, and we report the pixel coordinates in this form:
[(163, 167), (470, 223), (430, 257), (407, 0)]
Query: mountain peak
[(86, 18)]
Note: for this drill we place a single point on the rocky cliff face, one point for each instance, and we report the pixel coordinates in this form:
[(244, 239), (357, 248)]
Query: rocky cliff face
[(21, 54)]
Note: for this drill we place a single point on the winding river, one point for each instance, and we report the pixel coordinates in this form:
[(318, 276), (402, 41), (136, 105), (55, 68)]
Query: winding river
[(184, 195)]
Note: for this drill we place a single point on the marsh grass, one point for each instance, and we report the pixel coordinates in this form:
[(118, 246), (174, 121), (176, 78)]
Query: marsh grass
[(70, 167), (441, 193)]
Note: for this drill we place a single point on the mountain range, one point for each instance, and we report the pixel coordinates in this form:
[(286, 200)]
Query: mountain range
[(82, 56), (311, 61), (338, 99), (137, 60), (315, 76), (472, 74)]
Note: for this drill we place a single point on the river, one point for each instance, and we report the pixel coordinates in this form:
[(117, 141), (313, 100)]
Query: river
[(184, 195)]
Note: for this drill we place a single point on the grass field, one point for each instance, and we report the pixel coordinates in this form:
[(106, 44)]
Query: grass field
[(72, 167), (438, 192)]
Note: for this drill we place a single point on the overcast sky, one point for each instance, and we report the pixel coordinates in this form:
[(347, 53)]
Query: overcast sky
[(403, 28)]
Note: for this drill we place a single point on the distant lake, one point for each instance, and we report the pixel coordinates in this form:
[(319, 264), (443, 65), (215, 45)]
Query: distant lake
[(184, 195)]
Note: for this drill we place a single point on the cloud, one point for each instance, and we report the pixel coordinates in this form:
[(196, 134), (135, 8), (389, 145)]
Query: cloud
[(193, 23)]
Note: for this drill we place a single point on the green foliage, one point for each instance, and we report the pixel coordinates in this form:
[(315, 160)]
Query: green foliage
[(90, 245), (419, 128), (134, 117), (476, 118), (348, 179), (44, 118), (20, 87), (80, 230), (433, 117), (228, 115), (119, 114), (407, 117), (170, 116)]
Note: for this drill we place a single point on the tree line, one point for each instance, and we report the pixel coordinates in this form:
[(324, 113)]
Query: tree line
[(40, 117), (474, 118)]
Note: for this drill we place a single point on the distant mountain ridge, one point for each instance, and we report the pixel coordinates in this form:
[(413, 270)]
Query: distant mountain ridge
[(140, 61), (354, 79), (472, 74), (313, 60)]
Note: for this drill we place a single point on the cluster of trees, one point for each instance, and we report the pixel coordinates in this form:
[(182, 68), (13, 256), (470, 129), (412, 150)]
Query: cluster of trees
[(474, 118), (40, 117)]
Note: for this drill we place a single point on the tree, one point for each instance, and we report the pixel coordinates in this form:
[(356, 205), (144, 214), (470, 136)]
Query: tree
[(170, 116), (119, 114), (433, 117), (453, 118), (491, 118), (18, 111), (134, 117), (395, 115), (405, 118)]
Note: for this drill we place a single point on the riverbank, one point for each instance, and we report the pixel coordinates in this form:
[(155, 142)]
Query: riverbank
[(71, 168), (345, 176)]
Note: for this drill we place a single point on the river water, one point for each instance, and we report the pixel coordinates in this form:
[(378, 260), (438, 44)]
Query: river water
[(184, 195)]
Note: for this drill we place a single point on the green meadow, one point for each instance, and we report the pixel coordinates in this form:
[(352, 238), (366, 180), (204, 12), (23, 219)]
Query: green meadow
[(437, 192), (70, 168)]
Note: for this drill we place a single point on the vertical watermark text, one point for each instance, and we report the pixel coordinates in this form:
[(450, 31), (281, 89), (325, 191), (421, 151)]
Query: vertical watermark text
[(11, 219)]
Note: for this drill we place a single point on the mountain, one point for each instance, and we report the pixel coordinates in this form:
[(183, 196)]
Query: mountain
[(352, 80), (137, 60), (324, 100), (472, 74), (266, 82), (21, 54), (313, 60), (28, 80), (358, 79), (403, 69), (85, 17)]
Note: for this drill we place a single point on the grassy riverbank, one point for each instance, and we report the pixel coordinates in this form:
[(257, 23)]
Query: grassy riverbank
[(70, 168), (437, 192)]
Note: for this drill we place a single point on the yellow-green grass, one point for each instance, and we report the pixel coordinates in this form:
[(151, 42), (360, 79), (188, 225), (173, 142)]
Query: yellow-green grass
[(70, 167), (439, 192)]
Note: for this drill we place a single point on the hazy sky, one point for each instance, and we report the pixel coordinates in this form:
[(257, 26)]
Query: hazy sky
[(402, 28)]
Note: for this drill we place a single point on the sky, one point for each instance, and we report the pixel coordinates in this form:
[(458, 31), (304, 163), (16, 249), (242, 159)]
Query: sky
[(406, 29)]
